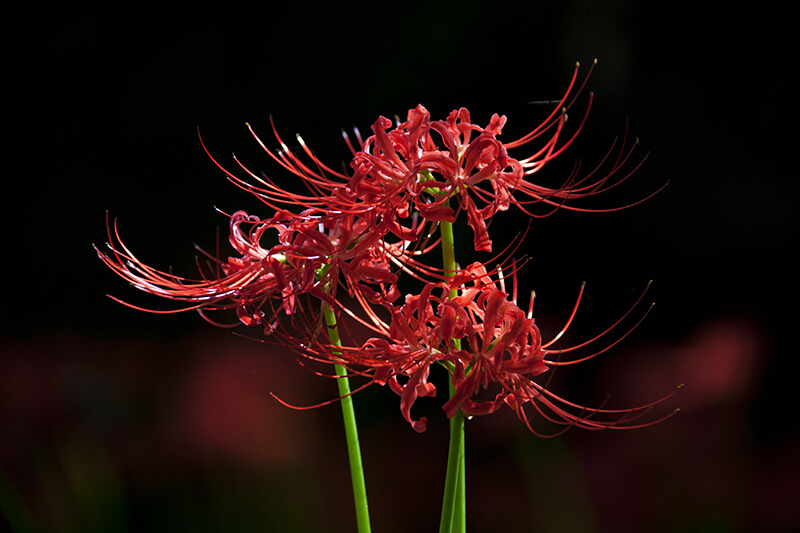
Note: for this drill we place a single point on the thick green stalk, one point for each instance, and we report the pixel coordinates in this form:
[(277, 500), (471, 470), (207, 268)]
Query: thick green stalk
[(350, 429), (454, 504), (454, 508)]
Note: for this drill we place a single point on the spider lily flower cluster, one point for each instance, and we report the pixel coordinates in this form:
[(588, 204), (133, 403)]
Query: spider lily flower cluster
[(347, 242)]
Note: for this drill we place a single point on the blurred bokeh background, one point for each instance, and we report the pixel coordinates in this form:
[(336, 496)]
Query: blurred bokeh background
[(116, 420)]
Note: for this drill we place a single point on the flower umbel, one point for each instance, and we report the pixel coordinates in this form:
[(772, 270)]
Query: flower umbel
[(421, 164)]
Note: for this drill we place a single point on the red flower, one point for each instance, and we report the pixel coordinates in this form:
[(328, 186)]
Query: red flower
[(504, 350), (487, 343), (422, 164), (436, 169), (242, 283), (402, 356), (312, 256), (405, 167)]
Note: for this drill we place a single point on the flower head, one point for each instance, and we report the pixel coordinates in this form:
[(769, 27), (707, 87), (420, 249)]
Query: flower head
[(421, 165), (504, 351), (489, 345)]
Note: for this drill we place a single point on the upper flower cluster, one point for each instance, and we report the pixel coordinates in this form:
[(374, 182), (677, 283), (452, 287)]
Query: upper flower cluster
[(360, 233)]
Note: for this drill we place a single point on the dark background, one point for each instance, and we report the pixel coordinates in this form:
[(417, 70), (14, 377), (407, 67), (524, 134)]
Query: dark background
[(116, 420)]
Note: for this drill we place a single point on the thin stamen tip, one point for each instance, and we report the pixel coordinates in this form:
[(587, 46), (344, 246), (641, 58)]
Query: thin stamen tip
[(682, 385)]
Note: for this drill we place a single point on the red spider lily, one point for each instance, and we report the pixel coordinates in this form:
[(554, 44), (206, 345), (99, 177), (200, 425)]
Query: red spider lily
[(424, 163), (406, 165), (419, 165), (241, 283), (487, 342), (505, 349), (307, 259), (330, 191), (409, 344)]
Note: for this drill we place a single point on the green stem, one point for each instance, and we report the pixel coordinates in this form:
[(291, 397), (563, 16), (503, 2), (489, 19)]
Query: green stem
[(350, 429), (454, 504), (454, 508)]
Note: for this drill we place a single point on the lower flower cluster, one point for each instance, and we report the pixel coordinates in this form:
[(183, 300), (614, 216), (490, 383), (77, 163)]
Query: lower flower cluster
[(345, 248)]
